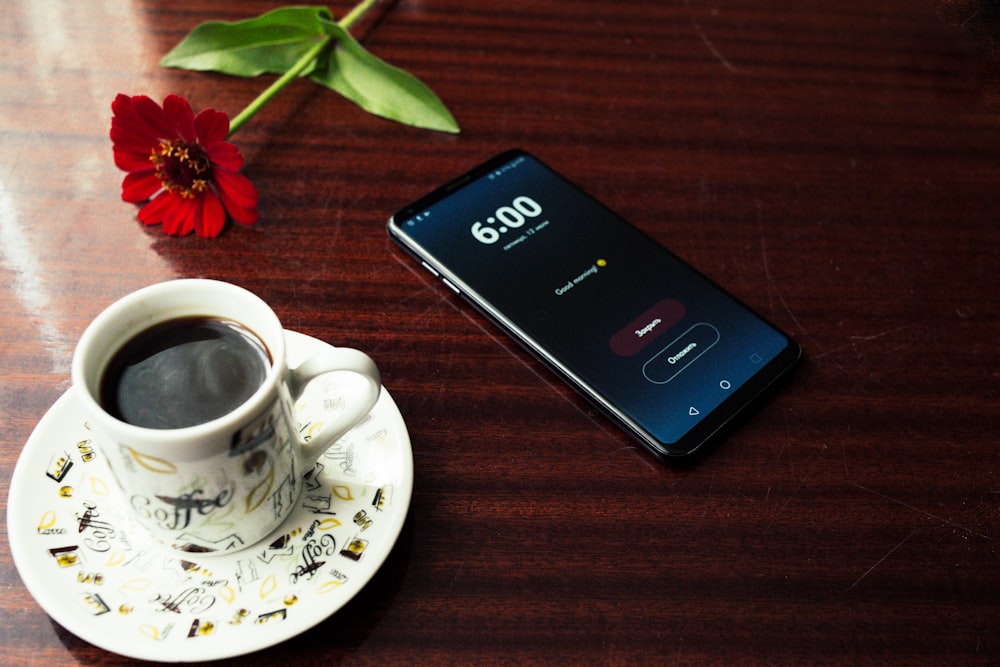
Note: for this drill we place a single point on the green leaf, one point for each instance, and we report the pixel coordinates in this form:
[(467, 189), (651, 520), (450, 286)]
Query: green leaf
[(275, 42), (378, 87), (269, 43)]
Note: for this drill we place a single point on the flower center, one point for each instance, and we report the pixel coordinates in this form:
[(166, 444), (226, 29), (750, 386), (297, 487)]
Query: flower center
[(182, 167)]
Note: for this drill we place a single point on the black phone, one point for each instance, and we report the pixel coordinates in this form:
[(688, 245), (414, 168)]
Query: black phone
[(666, 353)]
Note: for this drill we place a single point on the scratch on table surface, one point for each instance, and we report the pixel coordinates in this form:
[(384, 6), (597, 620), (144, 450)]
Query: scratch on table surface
[(767, 278), (933, 517), (763, 254), (879, 334), (970, 17), (458, 571), (882, 559), (795, 320), (707, 41), (780, 510), (860, 339)]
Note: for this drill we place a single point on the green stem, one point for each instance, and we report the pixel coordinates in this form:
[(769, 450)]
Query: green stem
[(308, 58), (273, 89), (356, 13)]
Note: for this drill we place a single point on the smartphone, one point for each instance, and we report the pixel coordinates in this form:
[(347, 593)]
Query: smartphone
[(661, 349)]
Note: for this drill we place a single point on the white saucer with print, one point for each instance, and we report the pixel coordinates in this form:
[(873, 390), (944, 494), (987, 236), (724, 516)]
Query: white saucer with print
[(99, 575)]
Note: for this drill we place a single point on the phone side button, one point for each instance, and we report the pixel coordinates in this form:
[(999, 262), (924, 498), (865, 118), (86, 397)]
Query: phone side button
[(430, 268), (448, 283)]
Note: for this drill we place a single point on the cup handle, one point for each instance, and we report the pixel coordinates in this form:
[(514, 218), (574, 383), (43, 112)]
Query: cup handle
[(338, 359)]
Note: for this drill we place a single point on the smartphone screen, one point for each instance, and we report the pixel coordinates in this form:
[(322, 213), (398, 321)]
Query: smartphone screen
[(660, 348)]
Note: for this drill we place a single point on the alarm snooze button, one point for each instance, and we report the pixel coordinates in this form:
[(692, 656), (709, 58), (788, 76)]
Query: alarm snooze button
[(647, 327)]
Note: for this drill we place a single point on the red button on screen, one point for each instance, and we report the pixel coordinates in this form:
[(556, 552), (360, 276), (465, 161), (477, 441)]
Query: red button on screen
[(647, 327)]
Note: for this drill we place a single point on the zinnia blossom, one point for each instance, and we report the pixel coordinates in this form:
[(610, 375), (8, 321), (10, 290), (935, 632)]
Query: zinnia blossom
[(181, 164)]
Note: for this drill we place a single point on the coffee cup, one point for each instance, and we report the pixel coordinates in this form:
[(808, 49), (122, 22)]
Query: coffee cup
[(186, 386)]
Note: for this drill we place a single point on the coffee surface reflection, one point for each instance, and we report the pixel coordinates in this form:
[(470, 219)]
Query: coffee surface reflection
[(184, 372)]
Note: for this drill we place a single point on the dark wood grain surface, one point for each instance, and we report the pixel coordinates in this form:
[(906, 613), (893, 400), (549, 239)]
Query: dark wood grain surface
[(835, 165)]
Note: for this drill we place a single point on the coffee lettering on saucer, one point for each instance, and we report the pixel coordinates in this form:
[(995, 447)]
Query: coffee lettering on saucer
[(343, 454), (212, 583), (99, 533), (338, 576), (193, 600), (311, 553), (312, 529)]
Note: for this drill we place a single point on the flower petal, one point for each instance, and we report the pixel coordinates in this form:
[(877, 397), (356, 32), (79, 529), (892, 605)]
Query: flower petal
[(153, 212), (140, 186), (178, 111), (123, 115), (142, 115), (212, 126), (129, 161), (126, 139), (236, 187), (224, 154), (211, 218), (178, 218), (244, 216), (238, 195)]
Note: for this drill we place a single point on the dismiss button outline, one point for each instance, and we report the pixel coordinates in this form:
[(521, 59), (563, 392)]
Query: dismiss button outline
[(687, 348)]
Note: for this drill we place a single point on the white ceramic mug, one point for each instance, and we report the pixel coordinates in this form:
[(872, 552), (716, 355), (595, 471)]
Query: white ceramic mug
[(224, 484)]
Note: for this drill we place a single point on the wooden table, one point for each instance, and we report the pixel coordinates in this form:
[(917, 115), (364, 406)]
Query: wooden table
[(837, 167)]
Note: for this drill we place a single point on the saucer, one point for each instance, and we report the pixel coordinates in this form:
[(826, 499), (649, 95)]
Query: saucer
[(103, 578)]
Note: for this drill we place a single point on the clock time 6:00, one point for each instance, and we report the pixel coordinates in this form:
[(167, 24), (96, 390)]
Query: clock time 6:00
[(509, 217)]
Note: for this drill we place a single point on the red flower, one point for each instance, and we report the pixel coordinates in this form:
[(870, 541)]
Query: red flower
[(181, 164)]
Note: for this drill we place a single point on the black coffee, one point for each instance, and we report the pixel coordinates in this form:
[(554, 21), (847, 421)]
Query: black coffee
[(184, 372)]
